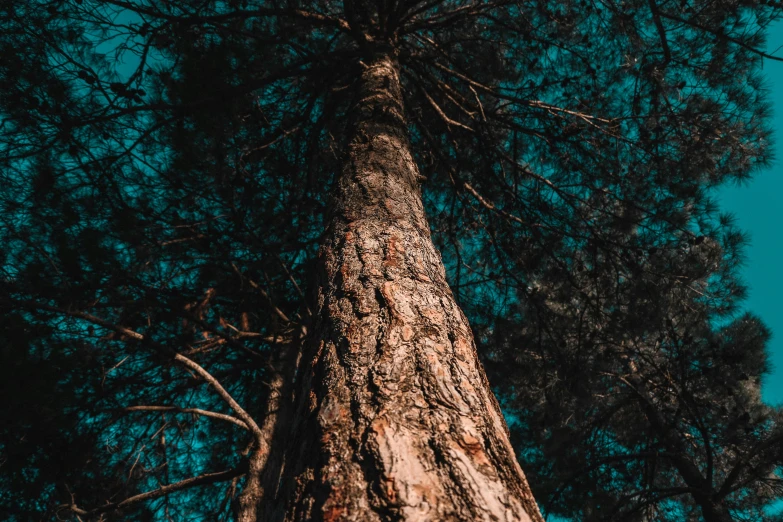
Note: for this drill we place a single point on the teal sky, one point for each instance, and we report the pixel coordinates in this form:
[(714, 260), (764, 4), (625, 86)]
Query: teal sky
[(758, 207)]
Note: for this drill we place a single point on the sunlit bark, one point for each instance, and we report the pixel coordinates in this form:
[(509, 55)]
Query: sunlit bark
[(395, 418)]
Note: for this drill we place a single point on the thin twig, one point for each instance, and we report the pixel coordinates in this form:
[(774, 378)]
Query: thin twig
[(197, 411), (207, 478)]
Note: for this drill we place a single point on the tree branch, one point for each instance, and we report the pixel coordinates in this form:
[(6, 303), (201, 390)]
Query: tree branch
[(667, 54), (725, 488), (315, 18), (87, 317), (197, 411), (241, 413), (201, 480), (448, 121), (721, 35)]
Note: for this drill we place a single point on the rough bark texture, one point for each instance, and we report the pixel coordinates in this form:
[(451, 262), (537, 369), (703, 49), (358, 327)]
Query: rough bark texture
[(395, 420)]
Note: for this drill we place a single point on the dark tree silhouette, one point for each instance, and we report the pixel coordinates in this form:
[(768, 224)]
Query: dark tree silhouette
[(656, 414), (228, 228)]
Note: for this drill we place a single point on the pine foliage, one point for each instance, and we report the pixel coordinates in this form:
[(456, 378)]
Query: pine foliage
[(165, 172)]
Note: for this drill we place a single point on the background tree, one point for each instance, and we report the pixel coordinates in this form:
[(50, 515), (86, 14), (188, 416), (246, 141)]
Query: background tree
[(568, 151), (656, 414)]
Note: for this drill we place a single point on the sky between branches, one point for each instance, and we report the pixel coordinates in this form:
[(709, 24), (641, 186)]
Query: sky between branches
[(758, 208)]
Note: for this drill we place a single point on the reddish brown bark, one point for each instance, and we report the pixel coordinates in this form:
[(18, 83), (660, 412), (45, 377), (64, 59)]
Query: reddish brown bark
[(395, 418)]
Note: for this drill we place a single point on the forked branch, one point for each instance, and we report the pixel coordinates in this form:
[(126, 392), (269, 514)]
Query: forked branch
[(241, 413)]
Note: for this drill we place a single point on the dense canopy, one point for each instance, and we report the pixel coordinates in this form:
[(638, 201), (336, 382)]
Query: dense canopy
[(166, 173)]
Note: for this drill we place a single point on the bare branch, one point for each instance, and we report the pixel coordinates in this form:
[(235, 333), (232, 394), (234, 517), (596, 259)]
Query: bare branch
[(588, 118), (490, 206), (197, 411), (448, 121), (478, 101), (241, 413), (207, 478), (87, 317), (310, 16), (263, 292)]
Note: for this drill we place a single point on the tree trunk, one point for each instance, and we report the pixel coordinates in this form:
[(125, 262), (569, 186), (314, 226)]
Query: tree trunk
[(264, 463), (395, 417)]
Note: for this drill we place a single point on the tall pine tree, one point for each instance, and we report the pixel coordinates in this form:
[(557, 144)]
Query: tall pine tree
[(218, 271)]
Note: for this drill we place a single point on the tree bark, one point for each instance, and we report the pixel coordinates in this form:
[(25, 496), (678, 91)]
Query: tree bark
[(264, 463), (395, 418)]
